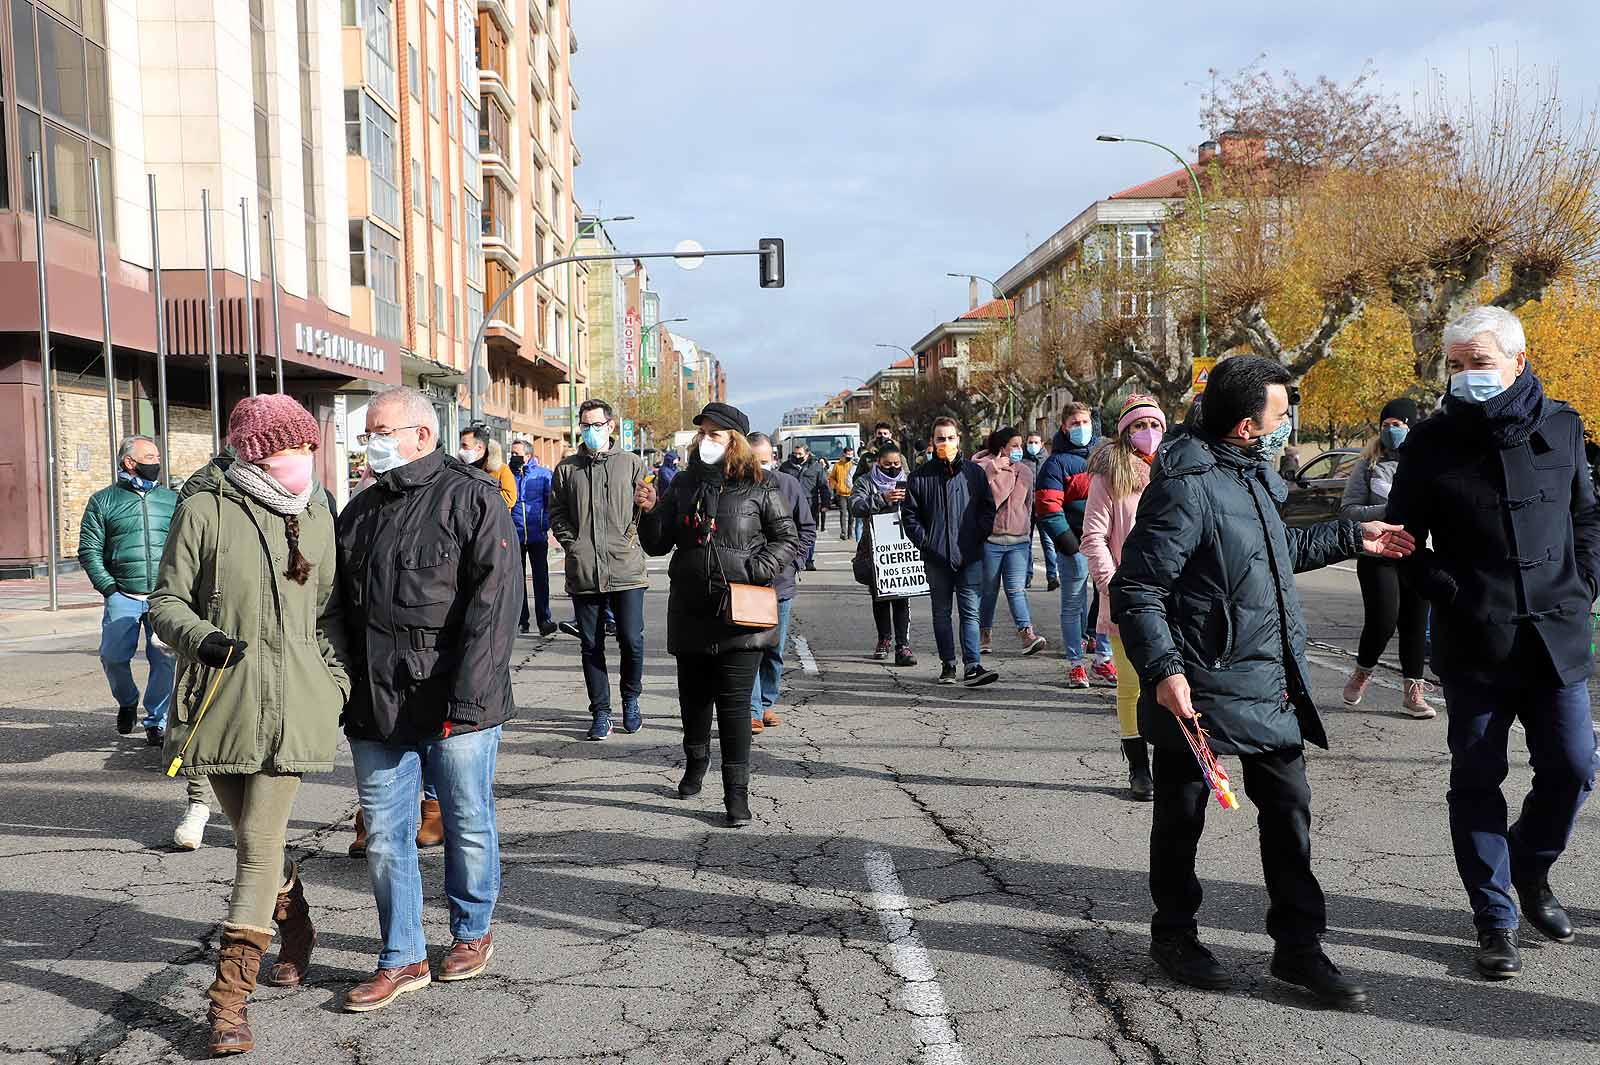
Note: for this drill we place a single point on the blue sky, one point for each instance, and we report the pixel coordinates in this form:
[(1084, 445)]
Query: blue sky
[(888, 141)]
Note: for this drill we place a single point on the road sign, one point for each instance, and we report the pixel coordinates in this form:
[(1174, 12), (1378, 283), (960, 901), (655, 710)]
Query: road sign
[(1202, 372), (627, 434)]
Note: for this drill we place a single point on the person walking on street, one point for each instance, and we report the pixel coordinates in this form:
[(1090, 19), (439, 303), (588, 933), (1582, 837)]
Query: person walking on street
[(841, 479), (1059, 500), (482, 451), (813, 485), (882, 433), (1385, 599), (595, 519), (1498, 479), (882, 491), (1009, 548), (1033, 453), (247, 596), (769, 674), (668, 469), (948, 513), (531, 516), (428, 567), (725, 522), (1204, 599), (1118, 474)]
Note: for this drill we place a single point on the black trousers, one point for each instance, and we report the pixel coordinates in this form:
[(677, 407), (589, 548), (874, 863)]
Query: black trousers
[(1276, 785), (722, 682), (895, 612), (1389, 605)]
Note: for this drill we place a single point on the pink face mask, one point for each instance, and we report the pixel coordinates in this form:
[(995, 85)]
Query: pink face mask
[(1145, 441), (292, 471)]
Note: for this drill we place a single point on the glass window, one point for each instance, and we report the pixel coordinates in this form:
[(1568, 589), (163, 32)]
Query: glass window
[(68, 9), (67, 176), (94, 20), (433, 93), (27, 64), (379, 148), (469, 129), (352, 121), (383, 277), (61, 61), (438, 203), (413, 72), (99, 96), (348, 13), (416, 186), (420, 301), (438, 307), (471, 225), (380, 52), (263, 154), (308, 192), (358, 253)]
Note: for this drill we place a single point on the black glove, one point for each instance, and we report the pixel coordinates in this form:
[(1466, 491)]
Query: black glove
[(1066, 543), (213, 650)]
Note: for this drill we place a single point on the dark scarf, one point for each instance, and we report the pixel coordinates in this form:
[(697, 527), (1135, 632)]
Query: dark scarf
[(708, 484), (1507, 419)]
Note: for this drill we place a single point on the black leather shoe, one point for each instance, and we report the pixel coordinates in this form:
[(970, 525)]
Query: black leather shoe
[(1545, 912), (1186, 960), (154, 737), (127, 717), (1498, 957), (1312, 970)]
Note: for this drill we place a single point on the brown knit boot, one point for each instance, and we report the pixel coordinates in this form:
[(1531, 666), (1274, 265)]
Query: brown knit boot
[(238, 962), (430, 825), (358, 846), (296, 936)]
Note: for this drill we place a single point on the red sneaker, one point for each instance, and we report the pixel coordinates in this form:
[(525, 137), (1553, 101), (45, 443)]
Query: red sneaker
[(1077, 676), (1105, 671)]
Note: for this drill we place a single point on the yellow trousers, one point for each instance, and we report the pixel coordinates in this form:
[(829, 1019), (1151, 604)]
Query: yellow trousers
[(1127, 691)]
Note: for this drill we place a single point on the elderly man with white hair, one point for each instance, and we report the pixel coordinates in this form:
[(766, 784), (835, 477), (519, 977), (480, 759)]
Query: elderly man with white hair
[(1498, 478)]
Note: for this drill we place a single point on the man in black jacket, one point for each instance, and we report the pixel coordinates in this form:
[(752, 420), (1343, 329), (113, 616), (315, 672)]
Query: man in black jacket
[(1204, 598), (769, 674), (1500, 482), (813, 477), (428, 566)]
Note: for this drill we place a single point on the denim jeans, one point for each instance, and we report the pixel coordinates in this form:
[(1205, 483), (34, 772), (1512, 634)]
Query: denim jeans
[(1075, 599), (1007, 564), (961, 589), (536, 556), (388, 778), (1048, 547), (1561, 745), (769, 674), (628, 610), (124, 618)]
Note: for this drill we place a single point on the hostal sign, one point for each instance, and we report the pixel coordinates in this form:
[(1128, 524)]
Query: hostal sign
[(339, 348)]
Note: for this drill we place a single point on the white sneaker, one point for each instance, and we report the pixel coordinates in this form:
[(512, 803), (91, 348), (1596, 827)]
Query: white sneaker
[(187, 836)]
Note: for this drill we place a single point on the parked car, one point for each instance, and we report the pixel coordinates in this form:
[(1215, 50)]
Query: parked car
[(1315, 492)]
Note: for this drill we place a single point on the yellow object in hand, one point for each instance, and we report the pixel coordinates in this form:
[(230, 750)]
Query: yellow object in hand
[(172, 770)]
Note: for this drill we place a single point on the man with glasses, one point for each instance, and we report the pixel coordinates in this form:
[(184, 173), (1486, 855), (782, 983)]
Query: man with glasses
[(595, 520)]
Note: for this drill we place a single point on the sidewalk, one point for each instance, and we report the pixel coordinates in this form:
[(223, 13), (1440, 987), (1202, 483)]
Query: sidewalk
[(25, 608)]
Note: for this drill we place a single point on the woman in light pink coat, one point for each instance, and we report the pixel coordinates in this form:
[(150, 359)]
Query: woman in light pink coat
[(1118, 474)]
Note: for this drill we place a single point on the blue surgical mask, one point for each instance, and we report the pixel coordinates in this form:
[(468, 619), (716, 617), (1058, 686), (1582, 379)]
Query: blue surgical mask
[(595, 437), (1080, 435), (1034, 449), (1015, 454), (1476, 386), (1393, 436), (1275, 440), (383, 455)]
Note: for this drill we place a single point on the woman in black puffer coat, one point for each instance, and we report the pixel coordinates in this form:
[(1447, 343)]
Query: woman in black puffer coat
[(728, 523)]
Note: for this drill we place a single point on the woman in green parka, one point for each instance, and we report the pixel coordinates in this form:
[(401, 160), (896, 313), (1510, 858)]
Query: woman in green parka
[(246, 596)]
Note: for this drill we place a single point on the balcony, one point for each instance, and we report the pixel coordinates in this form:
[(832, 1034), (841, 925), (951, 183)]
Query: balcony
[(500, 11)]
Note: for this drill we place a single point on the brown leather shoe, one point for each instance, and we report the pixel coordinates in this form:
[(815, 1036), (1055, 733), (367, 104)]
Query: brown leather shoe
[(463, 960), (770, 719), (296, 935), (358, 846), (430, 827), (386, 985), (756, 727), (238, 962)]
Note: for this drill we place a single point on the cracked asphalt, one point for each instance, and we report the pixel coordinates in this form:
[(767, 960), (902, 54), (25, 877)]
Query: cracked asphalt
[(633, 928)]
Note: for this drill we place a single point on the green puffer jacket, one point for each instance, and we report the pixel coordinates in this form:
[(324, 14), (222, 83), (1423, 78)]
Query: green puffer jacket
[(277, 710), (121, 537)]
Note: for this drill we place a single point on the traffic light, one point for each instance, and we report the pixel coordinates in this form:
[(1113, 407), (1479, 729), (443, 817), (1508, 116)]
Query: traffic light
[(771, 260)]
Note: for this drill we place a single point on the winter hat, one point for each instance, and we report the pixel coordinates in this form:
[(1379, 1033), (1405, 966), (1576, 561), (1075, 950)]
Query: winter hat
[(1402, 408), (1139, 406), (261, 425)]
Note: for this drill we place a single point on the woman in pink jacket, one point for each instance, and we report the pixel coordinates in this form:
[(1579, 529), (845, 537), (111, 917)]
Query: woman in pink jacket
[(1118, 473)]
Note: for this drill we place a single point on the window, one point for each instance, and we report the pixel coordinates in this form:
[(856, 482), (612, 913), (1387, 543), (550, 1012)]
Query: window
[(421, 300), (469, 129), (494, 131), (455, 311), (416, 186), (413, 72), (379, 269), (372, 137), (474, 311), (379, 19), (471, 223), (308, 156), (433, 93), (496, 210), (438, 308), (438, 203), (67, 111), (358, 253)]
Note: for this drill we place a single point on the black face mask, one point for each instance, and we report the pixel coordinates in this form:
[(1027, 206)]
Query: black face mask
[(150, 471), (892, 471), (516, 463)]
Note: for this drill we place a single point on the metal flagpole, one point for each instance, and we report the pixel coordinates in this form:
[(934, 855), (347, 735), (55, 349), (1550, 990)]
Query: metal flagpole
[(211, 328), (277, 323), (105, 314), (161, 327), (249, 297), (47, 379)]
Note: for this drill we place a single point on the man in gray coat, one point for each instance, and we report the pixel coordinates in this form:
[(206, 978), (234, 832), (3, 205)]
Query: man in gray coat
[(769, 674), (595, 519)]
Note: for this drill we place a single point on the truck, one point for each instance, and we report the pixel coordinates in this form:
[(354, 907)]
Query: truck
[(825, 441)]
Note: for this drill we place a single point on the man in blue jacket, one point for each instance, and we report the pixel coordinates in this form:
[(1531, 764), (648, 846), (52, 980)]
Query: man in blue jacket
[(1058, 503), (948, 513), (531, 516)]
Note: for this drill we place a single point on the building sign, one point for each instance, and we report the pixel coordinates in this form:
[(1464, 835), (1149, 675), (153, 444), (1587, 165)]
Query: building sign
[(336, 347), (897, 570), (630, 348)]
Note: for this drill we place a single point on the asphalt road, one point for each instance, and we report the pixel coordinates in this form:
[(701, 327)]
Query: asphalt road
[(935, 875)]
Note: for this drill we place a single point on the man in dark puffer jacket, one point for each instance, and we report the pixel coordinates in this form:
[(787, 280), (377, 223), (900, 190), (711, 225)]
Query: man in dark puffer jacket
[(1205, 600)]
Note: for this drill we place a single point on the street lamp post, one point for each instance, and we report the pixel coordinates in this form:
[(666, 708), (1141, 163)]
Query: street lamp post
[(1202, 345)]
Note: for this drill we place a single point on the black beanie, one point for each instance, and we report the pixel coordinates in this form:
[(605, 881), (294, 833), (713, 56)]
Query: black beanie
[(1402, 408)]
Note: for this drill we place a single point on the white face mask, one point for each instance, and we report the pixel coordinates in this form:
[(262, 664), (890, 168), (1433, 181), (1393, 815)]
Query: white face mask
[(469, 455), (711, 452), (383, 455)]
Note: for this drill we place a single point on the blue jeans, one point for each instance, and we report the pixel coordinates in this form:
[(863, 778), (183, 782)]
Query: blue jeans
[(1075, 599), (628, 610), (120, 626), (1006, 563), (961, 589), (1048, 546), (1561, 745), (388, 778), (769, 674)]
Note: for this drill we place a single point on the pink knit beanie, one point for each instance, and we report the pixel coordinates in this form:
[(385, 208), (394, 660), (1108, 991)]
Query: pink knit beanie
[(1138, 406), (261, 425)]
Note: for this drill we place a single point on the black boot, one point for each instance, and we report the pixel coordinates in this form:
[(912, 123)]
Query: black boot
[(1498, 957), (736, 794), (1544, 911), (1309, 967), (1140, 785), (696, 759), (1184, 958)]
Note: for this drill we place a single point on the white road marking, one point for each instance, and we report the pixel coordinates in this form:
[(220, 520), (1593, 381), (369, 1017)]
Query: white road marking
[(921, 996), (808, 662)]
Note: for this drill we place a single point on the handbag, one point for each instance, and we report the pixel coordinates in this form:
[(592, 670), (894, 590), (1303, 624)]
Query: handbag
[(746, 606)]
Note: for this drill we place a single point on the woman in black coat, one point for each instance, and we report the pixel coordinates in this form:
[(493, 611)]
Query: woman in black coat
[(728, 524)]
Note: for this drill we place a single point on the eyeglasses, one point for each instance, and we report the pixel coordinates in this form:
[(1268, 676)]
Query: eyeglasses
[(366, 438), (594, 425)]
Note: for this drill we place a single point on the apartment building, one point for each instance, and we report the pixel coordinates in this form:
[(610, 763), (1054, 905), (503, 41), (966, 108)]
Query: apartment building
[(946, 350), (237, 98)]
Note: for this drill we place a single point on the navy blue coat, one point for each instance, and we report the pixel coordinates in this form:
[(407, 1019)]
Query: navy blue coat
[(948, 513), (531, 512)]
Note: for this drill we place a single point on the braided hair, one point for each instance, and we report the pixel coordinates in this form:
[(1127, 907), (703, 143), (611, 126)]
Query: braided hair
[(299, 566)]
